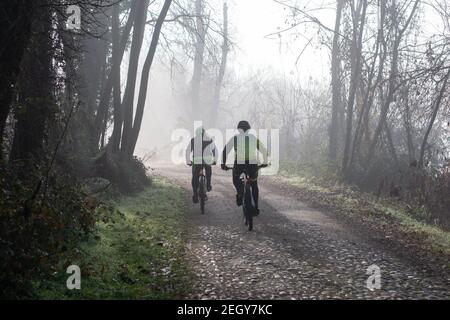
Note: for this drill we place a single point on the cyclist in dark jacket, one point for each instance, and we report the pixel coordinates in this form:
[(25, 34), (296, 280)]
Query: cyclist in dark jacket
[(203, 151)]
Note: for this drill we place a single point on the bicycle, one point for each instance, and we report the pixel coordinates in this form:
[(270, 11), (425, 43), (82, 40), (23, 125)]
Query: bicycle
[(247, 205), (202, 189)]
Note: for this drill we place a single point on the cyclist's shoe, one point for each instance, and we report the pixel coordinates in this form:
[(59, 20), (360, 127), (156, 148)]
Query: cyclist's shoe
[(195, 198), (256, 212), (239, 200), (209, 188)]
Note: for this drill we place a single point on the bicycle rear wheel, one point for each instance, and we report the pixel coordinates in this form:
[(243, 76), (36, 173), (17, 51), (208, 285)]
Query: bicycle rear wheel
[(248, 209), (202, 193)]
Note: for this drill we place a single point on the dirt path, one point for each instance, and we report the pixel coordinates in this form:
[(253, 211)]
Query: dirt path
[(294, 252)]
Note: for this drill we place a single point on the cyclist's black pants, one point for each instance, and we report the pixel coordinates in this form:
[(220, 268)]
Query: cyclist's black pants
[(252, 171), (196, 169)]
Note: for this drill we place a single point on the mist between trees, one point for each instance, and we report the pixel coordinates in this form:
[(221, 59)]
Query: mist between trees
[(72, 102)]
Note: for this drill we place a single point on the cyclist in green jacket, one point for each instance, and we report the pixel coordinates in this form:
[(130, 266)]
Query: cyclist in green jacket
[(246, 148)]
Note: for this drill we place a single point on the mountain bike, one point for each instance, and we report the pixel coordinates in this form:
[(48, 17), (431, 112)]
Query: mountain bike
[(248, 207), (202, 197), (202, 189)]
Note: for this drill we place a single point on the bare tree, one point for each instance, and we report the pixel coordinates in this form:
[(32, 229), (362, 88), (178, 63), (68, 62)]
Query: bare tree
[(128, 100), (222, 67), (15, 29), (437, 105), (200, 35), (359, 17), (336, 85), (131, 145)]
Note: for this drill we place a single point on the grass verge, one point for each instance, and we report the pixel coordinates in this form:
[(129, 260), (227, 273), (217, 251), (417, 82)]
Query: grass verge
[(136, 252), (390, 218)]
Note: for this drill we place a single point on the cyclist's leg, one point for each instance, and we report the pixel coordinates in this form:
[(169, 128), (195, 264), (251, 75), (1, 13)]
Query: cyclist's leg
[(195, 177), (208, 172), (237, 171), (253, 174)]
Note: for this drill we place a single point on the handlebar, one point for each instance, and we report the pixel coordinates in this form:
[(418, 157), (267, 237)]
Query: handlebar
[(260, 166), (191, 164)]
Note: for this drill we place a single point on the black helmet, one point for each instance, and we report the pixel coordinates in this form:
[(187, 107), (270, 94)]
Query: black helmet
[(244, 125)]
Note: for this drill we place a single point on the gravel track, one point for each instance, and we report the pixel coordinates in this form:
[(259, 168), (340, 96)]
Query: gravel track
[(294, 252)]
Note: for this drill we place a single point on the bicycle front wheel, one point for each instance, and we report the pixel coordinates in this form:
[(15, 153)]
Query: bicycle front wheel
[(250, 221), (248, 209)]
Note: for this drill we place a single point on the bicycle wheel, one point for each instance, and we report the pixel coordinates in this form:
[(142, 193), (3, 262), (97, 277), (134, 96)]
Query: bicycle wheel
[(202, 193), (248, 208), (250, 220)]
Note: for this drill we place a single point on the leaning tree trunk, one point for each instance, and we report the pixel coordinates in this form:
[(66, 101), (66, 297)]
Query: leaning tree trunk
[(128, 100), (433, 118), (144, 79), (114, 74)]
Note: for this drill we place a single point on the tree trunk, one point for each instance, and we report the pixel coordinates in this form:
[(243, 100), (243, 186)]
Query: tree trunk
[(408, 127), (198, 60), (392, 78), (117, 98), (128, 100), (356, 72), (15, 29), (113, 76), (391, 145), (433, 118), (222, 68), (36, 85), (363, 118), (336, 86), (144, 78)]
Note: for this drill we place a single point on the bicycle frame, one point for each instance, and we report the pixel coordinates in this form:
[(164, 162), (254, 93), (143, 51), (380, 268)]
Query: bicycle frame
[(202, 189), (247, 205)]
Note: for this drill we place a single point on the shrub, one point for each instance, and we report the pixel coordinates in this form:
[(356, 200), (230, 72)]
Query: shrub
[(129, 175), (34, 232)]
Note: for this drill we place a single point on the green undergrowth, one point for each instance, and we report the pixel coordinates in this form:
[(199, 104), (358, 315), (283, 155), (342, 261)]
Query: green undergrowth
[(136, 252)]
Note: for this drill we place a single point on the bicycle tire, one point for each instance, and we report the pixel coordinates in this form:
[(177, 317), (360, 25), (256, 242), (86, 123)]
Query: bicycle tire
[(202, 206), (248, 208), (202, 193)]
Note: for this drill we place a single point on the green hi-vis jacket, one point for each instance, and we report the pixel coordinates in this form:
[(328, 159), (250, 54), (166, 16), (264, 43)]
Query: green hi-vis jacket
[(203, 151), (246, 149)]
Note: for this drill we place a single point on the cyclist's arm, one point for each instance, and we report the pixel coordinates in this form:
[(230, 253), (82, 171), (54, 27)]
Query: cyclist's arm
[(227, 150), (215, 153), (261, 148), (188, 153)]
